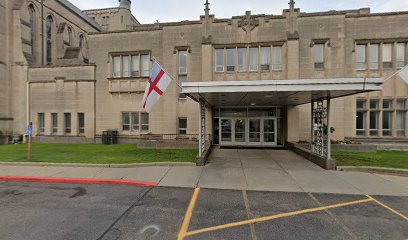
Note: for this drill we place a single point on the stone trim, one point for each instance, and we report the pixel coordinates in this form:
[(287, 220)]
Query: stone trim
[(6, 119), (71, 80)]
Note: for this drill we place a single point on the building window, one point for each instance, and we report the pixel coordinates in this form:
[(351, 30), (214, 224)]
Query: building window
[(67, 123), (387, 55), (130, 65), (136, 66), (41, 123), (81, 41), (318, 50), (81, 123), (242, 59), (145, 121), (387, 123), (131, 121), (182, 125), (361, 57), (361, 117), (277, 58), (400, 55), (49, 26), (54, 122), (32, 28), (265, 58), (219, 61), (145, 65), (182, 78), (374, 51), (135, 121), (253, 59), (126, 66), (69, 36), (182, 62), (374, 114), (401, 117), (230, 59), (126, 121)]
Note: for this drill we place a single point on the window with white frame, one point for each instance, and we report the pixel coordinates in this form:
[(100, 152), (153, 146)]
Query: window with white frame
[(182, 125), (41, 123), (132, 65), (361, 57), (182, 62), (135, 121), (242, 59), (374, 117), (387, 117), (81, 123), (219, 60), (401, 117), (361, 118), (277, 58), (253, 59), (265, 58), (400, 55), (54, 122), (318, 50), (374, 56), (67, 123), (387, 55), (230, 59)]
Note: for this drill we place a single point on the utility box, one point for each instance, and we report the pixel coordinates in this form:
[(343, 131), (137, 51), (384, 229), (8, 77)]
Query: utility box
[(110, 137)]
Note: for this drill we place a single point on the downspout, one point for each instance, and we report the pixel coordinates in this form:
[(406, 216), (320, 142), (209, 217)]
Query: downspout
[(42, 32)]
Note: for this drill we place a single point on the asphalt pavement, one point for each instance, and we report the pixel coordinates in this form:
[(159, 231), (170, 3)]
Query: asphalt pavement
[(73, 211)]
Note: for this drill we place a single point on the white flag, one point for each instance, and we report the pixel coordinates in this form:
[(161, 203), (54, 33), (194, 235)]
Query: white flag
[(404, 74), (158, 82)]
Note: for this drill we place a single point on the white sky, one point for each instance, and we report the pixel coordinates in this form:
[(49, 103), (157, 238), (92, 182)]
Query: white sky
[(148, 11)]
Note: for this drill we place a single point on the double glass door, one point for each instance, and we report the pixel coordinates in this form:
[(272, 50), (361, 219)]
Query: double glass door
[(248, 131)]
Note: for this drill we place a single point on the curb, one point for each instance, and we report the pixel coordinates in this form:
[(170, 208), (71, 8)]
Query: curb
[(76, 181), (131, 165), (378, 170)]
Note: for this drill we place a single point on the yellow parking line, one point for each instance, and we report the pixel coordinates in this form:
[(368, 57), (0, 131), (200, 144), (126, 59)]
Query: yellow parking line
[(263, 219), (391, 209), (189, 213)]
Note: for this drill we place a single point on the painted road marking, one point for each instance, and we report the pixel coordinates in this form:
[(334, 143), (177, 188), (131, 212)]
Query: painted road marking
[(389, 208), (189, 213), (264, 219), (251, 226)]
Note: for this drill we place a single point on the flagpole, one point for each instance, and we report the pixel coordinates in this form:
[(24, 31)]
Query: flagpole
[(397, 72), (154, 59)]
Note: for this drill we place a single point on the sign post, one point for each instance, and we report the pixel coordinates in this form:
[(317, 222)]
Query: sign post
[(29, 133)]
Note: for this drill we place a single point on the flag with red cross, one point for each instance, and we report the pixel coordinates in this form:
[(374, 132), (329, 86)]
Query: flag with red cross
[(158, 82)]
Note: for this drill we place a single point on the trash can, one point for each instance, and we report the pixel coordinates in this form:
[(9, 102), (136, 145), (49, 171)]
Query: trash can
[(114, 137), (105, 138)]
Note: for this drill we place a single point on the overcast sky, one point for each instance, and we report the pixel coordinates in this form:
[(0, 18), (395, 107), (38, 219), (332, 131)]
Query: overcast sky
[(148, 11)]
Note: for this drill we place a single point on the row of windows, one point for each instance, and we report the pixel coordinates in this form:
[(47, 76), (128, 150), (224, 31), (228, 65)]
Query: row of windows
[(67, 124), (250, 59), (368, 56), (133, 65), (135, 121), (389, 109)]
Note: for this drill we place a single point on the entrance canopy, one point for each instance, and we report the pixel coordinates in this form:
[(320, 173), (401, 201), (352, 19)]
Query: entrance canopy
[(277, 92)]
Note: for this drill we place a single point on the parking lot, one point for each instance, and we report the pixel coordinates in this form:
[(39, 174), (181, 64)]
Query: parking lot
[(66, 211)]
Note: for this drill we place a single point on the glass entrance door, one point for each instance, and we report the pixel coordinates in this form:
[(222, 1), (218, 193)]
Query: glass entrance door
[(255, 131), (240, 133), (269, 131), (226, 131)]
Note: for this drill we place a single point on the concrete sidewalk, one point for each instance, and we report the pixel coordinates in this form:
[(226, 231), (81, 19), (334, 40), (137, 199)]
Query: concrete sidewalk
[(259, 170)]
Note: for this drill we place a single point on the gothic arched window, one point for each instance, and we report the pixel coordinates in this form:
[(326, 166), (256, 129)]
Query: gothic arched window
[(49, 25), (81, 41), (32, 26), (69, 36)]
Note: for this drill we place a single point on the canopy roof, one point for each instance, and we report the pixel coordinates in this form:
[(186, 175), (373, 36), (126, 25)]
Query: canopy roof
[(277, 92)]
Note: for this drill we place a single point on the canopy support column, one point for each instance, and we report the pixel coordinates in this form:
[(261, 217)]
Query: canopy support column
[(202, 134)]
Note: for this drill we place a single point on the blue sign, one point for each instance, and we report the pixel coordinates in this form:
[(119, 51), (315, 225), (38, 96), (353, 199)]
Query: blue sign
[(29, 130)]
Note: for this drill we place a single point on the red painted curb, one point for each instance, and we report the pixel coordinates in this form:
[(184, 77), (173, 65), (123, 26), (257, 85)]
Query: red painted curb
[(76, 181)]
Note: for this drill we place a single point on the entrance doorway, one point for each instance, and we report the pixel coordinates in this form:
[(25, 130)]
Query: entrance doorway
[(254, 131)]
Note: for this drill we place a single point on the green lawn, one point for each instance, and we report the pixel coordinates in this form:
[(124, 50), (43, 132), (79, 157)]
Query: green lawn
[(388, 159), (94, 153)]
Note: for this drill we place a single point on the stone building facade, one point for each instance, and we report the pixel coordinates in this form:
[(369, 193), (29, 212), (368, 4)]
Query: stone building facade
[(96, 74)]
